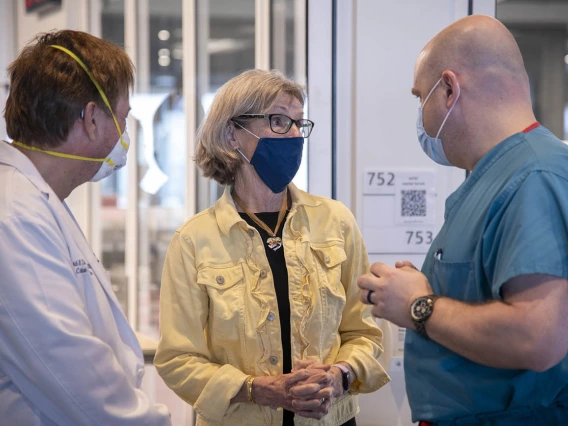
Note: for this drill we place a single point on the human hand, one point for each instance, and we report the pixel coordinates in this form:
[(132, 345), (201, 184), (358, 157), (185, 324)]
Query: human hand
[(337, 375), (393, 291), (311, 397), (274, 391)]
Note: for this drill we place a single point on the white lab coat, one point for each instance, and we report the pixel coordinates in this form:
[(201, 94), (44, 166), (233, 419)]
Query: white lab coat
[(67, 353)]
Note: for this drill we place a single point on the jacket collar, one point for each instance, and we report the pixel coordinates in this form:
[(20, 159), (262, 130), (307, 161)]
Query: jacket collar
[(12, 157), (227, 214)]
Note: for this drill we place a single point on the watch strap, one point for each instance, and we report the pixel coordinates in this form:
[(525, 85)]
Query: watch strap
[(421, 329), (345, 375)]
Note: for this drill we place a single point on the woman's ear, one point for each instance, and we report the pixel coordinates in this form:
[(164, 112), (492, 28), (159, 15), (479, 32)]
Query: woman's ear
[(230, 135)]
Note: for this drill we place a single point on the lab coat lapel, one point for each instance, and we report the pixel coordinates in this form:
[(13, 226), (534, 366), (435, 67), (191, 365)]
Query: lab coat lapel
[(64, 214)]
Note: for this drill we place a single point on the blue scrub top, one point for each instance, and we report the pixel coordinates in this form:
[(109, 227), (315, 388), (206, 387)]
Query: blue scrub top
[(509, 218)]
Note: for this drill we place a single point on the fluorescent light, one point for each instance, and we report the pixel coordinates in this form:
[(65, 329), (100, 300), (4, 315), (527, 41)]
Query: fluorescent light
[(164, 35), (164, 61)]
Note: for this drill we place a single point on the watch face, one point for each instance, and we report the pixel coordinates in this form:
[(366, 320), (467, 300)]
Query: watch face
[(421, 308), (346, 380)]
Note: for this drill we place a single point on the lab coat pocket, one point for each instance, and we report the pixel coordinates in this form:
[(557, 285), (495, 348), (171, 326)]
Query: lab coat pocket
[(455, 280)]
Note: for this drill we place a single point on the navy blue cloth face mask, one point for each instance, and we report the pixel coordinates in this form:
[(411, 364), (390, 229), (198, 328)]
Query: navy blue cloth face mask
[(276, 160)]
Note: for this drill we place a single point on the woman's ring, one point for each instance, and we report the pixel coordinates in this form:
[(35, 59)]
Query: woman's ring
[(322, 401), (369, 297)]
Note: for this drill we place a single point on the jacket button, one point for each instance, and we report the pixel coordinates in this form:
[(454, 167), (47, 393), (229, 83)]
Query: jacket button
[(251, 233), (220, 280), (263, 274), (270, 316), (327, 259), (274, 360)]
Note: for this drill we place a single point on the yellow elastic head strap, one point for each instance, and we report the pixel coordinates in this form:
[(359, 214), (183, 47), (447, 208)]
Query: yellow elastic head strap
[(105, 100), (61, 154)]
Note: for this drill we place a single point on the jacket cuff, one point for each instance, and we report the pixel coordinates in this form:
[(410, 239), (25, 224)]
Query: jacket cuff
[(216, 396), (370, 375)]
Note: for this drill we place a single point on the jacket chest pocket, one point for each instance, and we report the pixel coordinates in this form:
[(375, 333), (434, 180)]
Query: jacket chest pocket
[(225, 288), (455, 280), (328, 259)]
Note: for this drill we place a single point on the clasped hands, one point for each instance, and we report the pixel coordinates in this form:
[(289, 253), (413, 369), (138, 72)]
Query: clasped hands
[(307, 390)]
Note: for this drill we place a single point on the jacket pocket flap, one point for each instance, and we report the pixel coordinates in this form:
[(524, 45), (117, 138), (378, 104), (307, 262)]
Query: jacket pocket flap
[(330, 255), (220, 278)]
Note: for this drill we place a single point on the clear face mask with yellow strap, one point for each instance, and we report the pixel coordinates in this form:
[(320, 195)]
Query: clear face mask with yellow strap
[(117, 157)]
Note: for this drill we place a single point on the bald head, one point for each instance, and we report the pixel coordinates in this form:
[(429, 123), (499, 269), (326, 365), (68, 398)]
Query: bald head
[(476, 66), (480, 47)]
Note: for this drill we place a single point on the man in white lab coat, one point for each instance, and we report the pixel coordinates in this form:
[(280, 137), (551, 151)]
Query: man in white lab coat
[(67, 353)]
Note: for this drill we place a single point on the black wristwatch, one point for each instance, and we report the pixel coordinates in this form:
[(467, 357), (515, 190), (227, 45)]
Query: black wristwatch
[(346, 376), (420, 311)]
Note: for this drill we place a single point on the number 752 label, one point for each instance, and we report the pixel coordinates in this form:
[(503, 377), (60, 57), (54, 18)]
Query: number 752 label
[(379, 182)]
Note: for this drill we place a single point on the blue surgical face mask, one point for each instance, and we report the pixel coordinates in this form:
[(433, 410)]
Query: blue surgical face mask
[(433, 146), (276, 160)]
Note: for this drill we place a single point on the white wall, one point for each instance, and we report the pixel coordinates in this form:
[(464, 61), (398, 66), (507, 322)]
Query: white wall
[(378, 42)]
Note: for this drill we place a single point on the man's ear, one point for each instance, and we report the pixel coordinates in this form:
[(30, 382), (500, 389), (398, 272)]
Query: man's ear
[(230, 135), (90, 120), (451, 87)]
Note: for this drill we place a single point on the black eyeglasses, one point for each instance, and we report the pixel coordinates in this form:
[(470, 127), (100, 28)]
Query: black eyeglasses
[(281, 124)]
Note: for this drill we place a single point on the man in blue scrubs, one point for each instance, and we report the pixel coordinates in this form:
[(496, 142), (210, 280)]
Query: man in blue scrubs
[(487, 317)]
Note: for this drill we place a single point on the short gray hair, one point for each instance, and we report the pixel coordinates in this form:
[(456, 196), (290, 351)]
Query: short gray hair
[(252, 92)]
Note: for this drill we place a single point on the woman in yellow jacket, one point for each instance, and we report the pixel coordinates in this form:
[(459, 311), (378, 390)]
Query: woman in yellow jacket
[(260, 317)]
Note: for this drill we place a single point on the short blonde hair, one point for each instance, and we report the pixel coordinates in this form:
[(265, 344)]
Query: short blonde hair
[(252, 92)]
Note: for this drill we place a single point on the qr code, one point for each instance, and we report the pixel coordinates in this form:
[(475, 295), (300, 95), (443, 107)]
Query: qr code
[(413, 203)]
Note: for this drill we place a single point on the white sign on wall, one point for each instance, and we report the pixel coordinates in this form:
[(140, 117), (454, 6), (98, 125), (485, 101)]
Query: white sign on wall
[(399, 210)]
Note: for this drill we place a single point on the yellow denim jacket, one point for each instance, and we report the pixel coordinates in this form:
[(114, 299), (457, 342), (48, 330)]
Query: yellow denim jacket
[(219, 314)]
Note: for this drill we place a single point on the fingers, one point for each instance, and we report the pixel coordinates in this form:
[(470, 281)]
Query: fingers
[(366, 294), (320, 410), (306, 391), (375, 312), (320, 367), (318, 377), (311, 364), (380, 269), (405, 263), (311, 385), (367, 282), (308, 405), (305, 363), (323, 393), (297, 376)]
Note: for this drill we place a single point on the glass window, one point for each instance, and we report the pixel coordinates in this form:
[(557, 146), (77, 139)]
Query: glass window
[(225, 48), (540, 29), (114, 189), (283, 37), (159, 110)]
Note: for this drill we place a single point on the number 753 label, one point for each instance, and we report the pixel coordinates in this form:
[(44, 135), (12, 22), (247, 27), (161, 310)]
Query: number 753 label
[(419, 238)]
